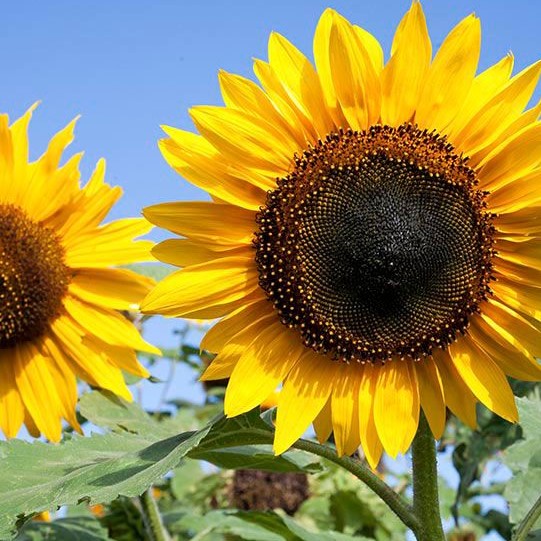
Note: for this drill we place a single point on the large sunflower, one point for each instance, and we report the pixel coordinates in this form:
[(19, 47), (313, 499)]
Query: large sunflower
[(59, 299), (374, 239)]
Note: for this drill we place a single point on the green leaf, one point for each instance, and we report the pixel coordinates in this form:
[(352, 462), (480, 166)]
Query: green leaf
[(186, 478), (38, 476), (199, 527), (306, 535), (524, 459), (136, 452), (255, 526), (260, 457), (65, 529)]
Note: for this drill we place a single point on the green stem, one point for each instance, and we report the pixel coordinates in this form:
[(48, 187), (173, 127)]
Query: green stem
[(396, 503), (521, 533), (425, 484), (152, 517)]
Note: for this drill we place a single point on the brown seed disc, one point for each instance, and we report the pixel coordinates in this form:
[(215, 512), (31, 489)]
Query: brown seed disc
[(377, 245), (33, 277)]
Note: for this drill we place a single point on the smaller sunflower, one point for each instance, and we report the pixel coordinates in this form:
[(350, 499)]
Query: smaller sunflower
[(59, 298)]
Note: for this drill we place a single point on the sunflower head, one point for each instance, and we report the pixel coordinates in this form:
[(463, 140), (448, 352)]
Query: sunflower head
[(59, 293), (372, 246)]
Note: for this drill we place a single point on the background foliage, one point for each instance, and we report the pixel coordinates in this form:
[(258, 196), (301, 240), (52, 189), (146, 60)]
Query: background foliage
[(184, 458)]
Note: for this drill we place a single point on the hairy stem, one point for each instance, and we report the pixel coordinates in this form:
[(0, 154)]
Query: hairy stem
[(152, 517), (523, 529), (396, 503), (426, 504)]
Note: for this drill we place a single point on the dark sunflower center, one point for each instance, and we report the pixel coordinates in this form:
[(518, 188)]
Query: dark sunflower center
[(33, 277), (377, 244)]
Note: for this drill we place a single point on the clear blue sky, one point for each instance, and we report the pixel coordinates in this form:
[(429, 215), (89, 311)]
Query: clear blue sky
[(129, 66)]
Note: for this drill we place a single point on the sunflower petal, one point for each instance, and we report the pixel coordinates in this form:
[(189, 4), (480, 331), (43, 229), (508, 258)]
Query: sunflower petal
[(11, 404), (370, 441), (306, 390), (450, 76), (458, 397), (263, 365), (404, 74), (345, 409), (396, 406), (211, 222), (432, 395), (484, 378), (222, 282)]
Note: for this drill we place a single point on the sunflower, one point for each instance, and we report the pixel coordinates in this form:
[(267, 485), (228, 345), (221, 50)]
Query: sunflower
[(59, 299), (373, 242)]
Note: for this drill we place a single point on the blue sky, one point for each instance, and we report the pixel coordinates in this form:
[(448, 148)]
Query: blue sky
[(129, 66)]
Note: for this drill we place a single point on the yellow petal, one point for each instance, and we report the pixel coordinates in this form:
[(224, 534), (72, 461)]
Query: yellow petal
[(458, 397), (220, 282), (243, 94), (187, 252), (305, 392), (431, 394), (372, 47), (112, 244), (514, 328), (236, 133), (515, 363), (89, 365), (223, 364), (263, 365), (370, 441), (10, 188), (221, 333), (450, 76), (323, 63), (88, 208), (484, 87), (11, 405), (404, 74), (345, 408), (296, 119), (108, 325), (356, 83), (323, 423), (38, 390), (522, 298), (522, 222), (525, 119), (396, 406), (211, 222), (120, 289), (199, 154), (66, 383), (513, 159), (500, 111), (19, 137), (523, 192), (301, 82), (214, 175), (484, 378)]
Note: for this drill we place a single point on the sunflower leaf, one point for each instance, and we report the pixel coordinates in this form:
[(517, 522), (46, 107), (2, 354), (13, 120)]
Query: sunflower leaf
[(524, 459), (254, 526), (137, 450), (258, 457), (65, 529), (97, 469)]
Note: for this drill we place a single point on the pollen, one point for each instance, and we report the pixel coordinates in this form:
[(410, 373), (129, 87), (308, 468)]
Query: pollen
[(377, 245), (33, 277)]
